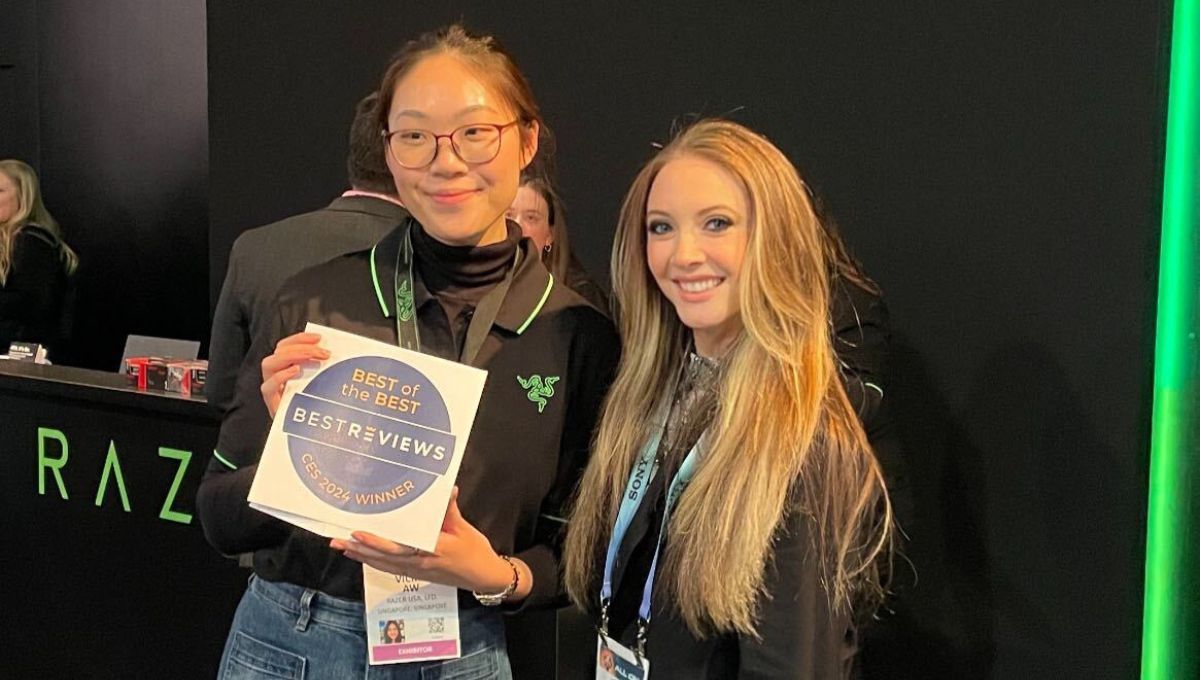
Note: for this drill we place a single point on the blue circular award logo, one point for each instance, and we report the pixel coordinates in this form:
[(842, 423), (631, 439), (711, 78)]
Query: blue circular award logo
[(369, 435)]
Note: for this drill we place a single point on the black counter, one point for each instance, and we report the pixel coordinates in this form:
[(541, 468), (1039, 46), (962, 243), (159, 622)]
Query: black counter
[(98, 387), (107, 557), (106, 572)]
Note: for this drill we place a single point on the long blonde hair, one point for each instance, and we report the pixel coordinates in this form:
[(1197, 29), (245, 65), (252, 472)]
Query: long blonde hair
[(30, 210), (784, 430)]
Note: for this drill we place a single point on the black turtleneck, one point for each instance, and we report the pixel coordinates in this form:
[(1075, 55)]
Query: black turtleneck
[(457, 277)]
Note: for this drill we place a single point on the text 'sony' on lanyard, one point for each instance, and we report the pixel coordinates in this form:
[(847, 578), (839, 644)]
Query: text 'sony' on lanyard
[(484, 316), (635, 493)]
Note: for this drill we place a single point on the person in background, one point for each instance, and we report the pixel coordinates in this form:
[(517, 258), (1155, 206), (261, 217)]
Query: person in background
[(862, 341), (263, 258), (35, 263), (733, 521), (539, 210), (861, 324)]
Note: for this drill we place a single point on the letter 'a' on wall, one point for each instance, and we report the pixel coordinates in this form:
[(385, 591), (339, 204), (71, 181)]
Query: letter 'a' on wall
[(1171, 621)]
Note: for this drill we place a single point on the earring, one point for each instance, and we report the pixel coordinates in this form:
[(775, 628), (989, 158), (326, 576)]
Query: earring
[(546, 250)]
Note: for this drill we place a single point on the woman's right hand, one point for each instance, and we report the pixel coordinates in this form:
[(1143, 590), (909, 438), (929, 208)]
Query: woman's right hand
[(286, 362)]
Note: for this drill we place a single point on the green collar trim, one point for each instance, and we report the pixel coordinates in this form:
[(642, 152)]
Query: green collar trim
[(540, 304), (375, 280)]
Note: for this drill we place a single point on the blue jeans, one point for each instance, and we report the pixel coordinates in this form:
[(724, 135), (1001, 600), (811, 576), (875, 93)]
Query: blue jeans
[(284, 631)]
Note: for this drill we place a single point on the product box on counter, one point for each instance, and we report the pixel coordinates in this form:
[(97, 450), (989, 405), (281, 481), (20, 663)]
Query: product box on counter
[(155, 373), (26, 351), (135, 371), (170, 375), (187, 377)]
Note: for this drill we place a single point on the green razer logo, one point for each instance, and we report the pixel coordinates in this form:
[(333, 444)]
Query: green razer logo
[(404, 301), (539, 390)]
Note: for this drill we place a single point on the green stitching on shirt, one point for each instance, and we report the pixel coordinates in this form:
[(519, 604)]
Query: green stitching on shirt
[(218, 456)]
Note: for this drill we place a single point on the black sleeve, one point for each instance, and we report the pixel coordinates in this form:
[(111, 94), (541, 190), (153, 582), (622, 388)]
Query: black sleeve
[(230, 339), (861, 338), (593, 364), (29, 297), (801, 636), (862, 342), (579, 281), (230, 524)]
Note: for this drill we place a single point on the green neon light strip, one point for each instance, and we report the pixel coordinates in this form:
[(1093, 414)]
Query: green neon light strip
[(1171, 622)]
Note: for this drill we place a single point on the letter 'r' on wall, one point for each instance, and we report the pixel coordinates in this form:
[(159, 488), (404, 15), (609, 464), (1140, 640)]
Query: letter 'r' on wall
[(54, 464)]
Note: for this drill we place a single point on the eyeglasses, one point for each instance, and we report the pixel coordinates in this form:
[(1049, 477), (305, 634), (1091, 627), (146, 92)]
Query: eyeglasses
[(474, 144)]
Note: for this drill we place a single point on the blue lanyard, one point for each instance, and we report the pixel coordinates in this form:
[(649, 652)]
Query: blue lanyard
[(640, 478)]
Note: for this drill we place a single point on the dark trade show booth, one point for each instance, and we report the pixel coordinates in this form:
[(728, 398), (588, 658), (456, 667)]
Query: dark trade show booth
[(997, 167)]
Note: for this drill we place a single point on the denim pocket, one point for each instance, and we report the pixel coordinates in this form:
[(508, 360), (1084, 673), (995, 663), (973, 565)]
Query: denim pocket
[(250, 659), (481, 665)]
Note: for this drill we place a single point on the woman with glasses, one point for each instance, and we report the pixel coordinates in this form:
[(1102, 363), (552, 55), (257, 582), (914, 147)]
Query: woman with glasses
[(456, 280), (732, 520)]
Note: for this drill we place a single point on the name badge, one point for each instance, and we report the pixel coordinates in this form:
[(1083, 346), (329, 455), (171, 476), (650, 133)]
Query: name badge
[(409, 620), (616, 662)]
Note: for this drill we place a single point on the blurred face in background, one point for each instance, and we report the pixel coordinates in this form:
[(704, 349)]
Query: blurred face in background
[(9, 200), (531, 211)]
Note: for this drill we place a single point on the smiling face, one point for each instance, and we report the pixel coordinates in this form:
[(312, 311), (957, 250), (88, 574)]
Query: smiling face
[(456, 202), (697, 230)]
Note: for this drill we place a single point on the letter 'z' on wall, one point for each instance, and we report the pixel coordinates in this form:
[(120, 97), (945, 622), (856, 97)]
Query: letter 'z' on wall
[(1171, 622)]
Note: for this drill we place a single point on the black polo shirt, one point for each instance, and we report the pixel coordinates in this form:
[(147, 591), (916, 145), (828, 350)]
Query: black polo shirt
[(524, 455)]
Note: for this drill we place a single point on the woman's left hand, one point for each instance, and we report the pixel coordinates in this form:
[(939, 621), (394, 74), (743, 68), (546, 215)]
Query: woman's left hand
[(464, 557)]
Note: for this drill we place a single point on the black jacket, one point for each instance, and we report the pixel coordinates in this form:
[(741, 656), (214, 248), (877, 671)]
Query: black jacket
[(33, 300), (581, 282), (802, 636), (521, 463), (263, 258)]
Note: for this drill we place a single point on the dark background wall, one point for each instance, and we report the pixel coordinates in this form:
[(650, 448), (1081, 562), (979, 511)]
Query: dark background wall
[(18, 80), (995, 165), (108, 101)]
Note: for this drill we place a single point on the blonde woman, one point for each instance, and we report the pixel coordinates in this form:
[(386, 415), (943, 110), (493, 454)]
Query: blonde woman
[(732, 517), (34, 261)]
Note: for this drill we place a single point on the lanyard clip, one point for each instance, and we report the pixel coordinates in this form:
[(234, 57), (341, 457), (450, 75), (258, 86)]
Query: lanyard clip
[(641, 639), (604, 617)]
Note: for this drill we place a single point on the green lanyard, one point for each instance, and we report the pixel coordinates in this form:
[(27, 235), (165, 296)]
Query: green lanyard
[(407, 333)]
